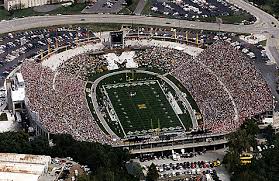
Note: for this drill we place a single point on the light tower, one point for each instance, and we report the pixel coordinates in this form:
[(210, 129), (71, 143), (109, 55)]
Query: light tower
[(48, 47), (42, 53), (187, 37), (56, 43), (197, 39), (76, 38), (88, 37)]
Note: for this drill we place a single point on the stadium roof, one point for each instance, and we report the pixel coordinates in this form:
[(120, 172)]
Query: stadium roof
[(24, 158), (18, 176), (21, 167)]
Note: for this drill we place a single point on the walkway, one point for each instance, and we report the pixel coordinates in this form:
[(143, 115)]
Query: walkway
[(140, 7)]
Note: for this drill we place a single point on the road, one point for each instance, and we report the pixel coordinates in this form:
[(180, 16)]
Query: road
[(44, 21), (263, 18), (265, 23)]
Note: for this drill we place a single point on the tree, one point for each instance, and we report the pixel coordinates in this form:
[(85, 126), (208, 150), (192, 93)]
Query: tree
[(269, 134), (15, 142), (84, 178), (251, 127), (232, 161), (40, 145), (264, 168), (275, 6), (105, 162), (239, 141), (152, 174), (134, 168), (248, 175), (129, 2)]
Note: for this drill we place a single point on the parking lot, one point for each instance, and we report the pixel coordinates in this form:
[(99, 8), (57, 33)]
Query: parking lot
[(189, 165), (15, 47), (105, 6), (64, 169), (194, 9)]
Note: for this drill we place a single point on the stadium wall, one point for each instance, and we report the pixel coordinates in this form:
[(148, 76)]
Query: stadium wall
[(35, 121)]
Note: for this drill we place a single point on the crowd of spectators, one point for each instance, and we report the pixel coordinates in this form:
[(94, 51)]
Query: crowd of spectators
[(160, 58), (224, 83), (246, 85), (81, 65), (59, 99), (226, 86), (163, 59), (214, 102)]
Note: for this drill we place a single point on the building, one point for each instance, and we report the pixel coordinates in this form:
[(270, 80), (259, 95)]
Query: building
[(21, 4), (23, 167), (10, 124), (15, 92)]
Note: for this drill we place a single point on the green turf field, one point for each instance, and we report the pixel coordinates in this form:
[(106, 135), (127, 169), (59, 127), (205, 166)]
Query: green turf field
[(141, 106)]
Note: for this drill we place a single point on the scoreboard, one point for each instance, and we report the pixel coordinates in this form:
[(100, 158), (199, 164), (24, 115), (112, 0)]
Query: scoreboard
[(116, 39)]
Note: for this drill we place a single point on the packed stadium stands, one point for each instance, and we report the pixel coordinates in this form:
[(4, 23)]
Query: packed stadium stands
[(223, 81)]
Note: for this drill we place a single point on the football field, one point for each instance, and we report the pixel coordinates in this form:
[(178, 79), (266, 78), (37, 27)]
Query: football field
[(141, 105)]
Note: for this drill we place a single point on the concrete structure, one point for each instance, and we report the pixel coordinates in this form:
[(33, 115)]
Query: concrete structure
[(17, 92), (19, 80), (21, 4), (21, 167), (191, 143), (10, 124), (267, 120)]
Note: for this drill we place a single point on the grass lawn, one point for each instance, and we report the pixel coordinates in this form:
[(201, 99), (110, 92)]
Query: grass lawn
[(133, 6), (25, 12), (263, 43), (130, 9), (4, 14), (142, 107), (73, 9), (100, 27), (269, 7), (125, 10), (147, 8), (230, 19), (95, 27)]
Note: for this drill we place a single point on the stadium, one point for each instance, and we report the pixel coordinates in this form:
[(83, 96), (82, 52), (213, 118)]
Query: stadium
[(144, 93)]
